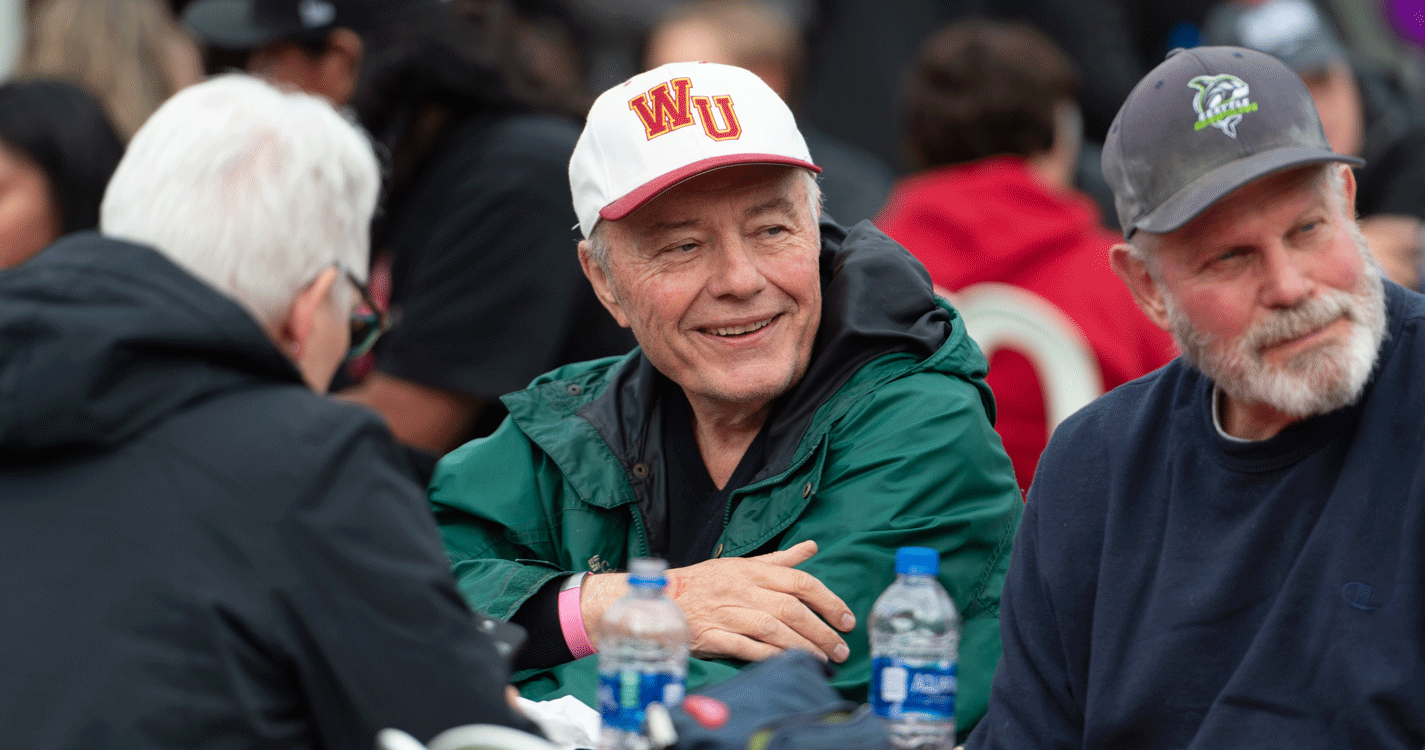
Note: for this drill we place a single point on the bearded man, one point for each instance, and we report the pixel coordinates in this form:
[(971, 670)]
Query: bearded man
[(1228, 552)]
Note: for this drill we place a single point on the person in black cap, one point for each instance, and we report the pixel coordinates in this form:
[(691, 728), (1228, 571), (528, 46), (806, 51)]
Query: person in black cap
[(1364, 111), (1230, 551), (476, 246)]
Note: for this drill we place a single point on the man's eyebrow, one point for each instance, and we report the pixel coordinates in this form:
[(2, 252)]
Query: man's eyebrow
[(669, 226), (780, 203)]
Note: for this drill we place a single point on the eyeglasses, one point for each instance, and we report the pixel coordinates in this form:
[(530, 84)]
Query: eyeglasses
[(368, 322)]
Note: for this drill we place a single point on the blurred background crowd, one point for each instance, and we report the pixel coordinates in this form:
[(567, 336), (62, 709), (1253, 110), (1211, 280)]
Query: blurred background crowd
[(968, 130)]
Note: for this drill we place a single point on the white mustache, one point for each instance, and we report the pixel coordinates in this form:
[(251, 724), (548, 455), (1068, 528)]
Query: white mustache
[(1293, 323)]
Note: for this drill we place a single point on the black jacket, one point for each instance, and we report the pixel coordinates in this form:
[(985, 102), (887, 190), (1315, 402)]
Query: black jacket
[(197, 551)]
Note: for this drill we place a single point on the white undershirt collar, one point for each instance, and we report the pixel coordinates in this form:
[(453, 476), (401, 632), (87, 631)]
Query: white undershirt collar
[(1217, 421)]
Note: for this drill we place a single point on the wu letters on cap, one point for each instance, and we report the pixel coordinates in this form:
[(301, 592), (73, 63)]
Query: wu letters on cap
[(668, 107)]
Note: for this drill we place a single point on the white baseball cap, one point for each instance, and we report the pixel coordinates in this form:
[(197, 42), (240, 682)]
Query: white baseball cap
[(671, 123)]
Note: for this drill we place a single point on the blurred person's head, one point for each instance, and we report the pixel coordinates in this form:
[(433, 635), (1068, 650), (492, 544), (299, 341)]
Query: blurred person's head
[(406, 67), (747, 33), (57, 151), (130, 53), (1295, 33), (267, 196), (545, 44), (987, 88), (316, 46)]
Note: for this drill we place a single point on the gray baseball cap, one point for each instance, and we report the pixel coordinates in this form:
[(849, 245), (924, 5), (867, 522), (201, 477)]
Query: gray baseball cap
[(1203, 123)]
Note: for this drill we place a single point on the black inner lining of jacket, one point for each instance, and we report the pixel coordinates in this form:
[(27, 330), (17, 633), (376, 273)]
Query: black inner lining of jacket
[(539, 616), (696, 507)]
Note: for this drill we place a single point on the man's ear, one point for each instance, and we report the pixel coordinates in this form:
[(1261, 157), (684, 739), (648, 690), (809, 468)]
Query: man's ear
[(1133, 271), (603, 289), (339, 66), (1348, 178), (294, 330)]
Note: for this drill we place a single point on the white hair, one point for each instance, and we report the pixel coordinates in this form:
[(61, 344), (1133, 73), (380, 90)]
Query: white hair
[(251, 189), (599, 241)]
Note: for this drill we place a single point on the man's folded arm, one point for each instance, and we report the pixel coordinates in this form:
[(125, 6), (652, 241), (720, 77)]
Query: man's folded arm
[(516, 582)]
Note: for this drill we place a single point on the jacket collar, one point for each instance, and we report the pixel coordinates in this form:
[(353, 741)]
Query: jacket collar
[(100, 339), (876, 300)]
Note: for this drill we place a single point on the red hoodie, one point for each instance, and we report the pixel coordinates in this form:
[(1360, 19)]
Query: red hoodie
[(994, 221)]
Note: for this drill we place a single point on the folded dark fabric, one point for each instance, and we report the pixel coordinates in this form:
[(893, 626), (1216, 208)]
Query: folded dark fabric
[(783, 703)]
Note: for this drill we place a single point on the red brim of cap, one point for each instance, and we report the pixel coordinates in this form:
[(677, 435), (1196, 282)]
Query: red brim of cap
[(646, 192)]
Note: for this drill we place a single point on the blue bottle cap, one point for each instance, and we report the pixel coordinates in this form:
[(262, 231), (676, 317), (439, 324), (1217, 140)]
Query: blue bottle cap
[(647, 571), (917, 561)]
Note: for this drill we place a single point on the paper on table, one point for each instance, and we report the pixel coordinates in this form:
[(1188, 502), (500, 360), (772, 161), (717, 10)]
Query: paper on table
[(566, 721)]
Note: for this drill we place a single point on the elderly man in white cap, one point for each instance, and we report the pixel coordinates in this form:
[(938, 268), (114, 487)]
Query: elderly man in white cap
[(801, 405)]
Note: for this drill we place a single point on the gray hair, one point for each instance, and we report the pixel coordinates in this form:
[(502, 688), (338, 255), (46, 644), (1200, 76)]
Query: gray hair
[(251, 189), (599, 241)]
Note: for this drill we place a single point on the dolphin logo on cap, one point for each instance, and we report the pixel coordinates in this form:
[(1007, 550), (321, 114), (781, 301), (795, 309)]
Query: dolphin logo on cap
[(1221, 101)]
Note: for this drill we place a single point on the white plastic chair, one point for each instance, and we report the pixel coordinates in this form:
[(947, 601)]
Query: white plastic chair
[(1004, 316)]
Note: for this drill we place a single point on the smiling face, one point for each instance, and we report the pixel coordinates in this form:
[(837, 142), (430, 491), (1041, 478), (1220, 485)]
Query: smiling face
[(719, 280), (1272, 293)]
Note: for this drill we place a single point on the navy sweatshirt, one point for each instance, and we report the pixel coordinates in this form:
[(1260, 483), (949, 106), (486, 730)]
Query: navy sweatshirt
[(1170, 588)]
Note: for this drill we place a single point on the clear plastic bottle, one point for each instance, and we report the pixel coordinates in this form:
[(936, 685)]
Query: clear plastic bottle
[(643, 656), (915, 641)]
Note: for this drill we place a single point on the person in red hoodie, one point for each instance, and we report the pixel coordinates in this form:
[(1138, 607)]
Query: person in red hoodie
[(993, 123)]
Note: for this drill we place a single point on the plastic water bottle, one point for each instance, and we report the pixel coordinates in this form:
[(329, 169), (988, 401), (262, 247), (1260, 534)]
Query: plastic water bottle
[(915, 640), (643, 656)]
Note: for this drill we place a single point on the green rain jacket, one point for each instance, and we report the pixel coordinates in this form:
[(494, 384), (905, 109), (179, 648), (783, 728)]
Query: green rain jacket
[(886, 442)]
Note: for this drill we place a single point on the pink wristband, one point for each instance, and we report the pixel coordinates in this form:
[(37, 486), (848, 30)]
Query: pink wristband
[(571, 621)]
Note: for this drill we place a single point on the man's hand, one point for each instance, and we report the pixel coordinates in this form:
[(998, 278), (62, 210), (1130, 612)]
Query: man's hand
[(744, 608)]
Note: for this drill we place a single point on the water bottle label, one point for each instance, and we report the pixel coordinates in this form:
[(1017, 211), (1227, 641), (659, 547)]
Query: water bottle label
[(624, 695), (898, 688)]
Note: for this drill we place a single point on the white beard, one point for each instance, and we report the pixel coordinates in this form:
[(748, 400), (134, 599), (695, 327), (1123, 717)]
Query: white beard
[(1314, 382)]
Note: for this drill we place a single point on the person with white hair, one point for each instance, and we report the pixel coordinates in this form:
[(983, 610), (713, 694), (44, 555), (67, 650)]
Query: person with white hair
[(200, 550)]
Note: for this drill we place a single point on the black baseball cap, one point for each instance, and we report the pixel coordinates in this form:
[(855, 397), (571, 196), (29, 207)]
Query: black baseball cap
[(1203, 123), (249, 24), (1290, 30)]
